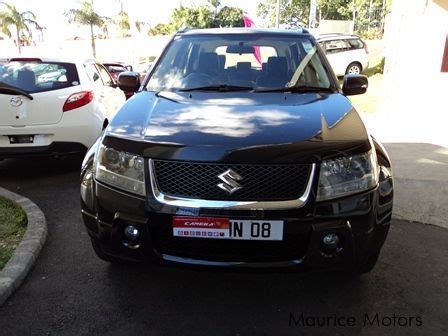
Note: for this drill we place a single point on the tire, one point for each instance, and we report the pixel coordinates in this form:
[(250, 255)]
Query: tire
[(99, 251), (354, 68), (368, 264)]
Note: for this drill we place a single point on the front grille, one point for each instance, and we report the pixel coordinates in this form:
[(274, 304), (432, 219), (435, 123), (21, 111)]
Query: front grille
[(259, 182)]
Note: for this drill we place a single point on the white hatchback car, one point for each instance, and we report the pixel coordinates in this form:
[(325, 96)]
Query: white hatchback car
[(347, 54), (54, 107)]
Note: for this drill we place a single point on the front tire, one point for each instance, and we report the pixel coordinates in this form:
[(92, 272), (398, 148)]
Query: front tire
[(354, 68)]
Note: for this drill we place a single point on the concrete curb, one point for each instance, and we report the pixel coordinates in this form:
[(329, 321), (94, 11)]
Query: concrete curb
[(21, 262)]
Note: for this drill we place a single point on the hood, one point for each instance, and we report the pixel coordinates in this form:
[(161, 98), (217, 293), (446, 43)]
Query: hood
[(240, 127)]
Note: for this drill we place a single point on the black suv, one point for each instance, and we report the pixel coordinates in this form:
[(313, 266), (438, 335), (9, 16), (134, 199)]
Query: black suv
[(240, 149)]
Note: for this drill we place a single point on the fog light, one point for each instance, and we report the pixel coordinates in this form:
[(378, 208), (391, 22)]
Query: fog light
[(331, 240), (331, 244), (131, 233), (131, 237)]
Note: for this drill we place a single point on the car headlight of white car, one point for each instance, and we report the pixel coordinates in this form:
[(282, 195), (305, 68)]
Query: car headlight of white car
[(347, 175), (120, 169)]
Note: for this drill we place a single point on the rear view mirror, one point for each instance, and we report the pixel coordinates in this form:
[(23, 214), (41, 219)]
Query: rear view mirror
[(354, 84), (240, 49), (129, 81)]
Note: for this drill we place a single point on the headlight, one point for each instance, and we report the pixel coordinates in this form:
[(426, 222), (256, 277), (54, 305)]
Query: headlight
[(120, 169), (347, 175)]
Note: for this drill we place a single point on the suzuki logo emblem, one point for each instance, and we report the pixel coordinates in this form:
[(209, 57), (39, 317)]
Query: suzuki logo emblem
[(230, 181), (16, 101)]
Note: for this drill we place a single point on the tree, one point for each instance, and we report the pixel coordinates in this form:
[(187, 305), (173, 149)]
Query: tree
[(229, 17), (161, 29), (192, 17), (21, 21), (122, 20), (87, 16), (335, 9), (292, 12)]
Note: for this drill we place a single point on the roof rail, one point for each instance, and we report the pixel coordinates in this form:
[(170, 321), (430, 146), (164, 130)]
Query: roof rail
[(183, 30)]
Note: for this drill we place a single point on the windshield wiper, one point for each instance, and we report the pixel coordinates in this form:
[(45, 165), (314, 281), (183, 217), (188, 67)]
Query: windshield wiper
[(220, 88), (296, 89), (14, 90)]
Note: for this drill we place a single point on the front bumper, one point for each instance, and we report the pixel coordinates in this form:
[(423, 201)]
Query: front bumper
[(361, 221)]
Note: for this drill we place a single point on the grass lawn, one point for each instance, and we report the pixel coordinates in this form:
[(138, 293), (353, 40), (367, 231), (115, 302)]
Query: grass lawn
[(12, 228)]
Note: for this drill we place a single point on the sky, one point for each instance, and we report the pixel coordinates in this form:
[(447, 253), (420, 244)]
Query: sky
[(50, 13)]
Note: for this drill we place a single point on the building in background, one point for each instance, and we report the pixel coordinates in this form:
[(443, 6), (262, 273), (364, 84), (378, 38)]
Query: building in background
[(415, 97)]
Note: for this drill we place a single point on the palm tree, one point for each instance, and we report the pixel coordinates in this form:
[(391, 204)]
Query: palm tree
[(122, 20), (88, 17), (11, 17)]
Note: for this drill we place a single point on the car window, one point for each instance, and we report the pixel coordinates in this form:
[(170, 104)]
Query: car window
[(116, 69), (107, 79), (356, 43), (93, 74), (250, 60), (37, 76), (232, 60), (335, 46)]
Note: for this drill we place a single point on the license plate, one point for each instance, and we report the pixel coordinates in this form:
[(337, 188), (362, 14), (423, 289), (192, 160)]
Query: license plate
[(224, 228), (21, 139)]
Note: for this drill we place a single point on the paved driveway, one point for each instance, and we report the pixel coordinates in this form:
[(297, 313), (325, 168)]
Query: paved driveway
[(71, 292)]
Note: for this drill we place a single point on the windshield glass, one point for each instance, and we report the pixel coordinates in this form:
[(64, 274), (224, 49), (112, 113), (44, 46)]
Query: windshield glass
[(33, 77), (243, 60)]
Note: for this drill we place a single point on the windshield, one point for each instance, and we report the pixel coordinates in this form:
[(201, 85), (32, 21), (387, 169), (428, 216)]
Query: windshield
[(33, 77), (242, 60)]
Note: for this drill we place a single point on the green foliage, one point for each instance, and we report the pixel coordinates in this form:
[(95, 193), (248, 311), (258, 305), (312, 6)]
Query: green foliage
[(335, 9), (229, 17), (371, 34), (292, 12), (21, 21), (161, 29), (192, 17), (296, 12), (122, 21), (85, 15), (205, 16), (12, 228)]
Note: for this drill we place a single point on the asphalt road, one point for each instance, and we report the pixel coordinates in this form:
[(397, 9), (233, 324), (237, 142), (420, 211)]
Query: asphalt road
[(71, 292)]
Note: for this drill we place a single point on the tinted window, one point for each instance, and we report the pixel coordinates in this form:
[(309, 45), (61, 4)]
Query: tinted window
[(36, 77), (252, 60), (336, 46), (356, 44)]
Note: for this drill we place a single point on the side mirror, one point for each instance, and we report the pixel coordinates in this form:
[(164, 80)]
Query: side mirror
[(129, 81), (354, 84)]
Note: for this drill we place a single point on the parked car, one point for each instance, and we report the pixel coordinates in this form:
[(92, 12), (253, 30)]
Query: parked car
[(54, 106), (241, 150), (115, 69), (347, 54)]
